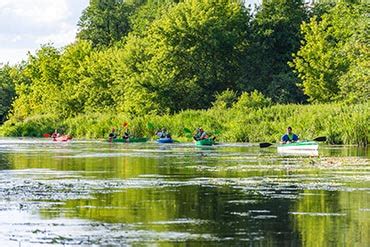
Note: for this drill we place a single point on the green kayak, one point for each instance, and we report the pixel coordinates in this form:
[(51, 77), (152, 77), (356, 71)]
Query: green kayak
[(205, 142), (131, 140)]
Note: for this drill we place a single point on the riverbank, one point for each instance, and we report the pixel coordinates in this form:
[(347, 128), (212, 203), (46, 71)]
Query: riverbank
[(341, 124)]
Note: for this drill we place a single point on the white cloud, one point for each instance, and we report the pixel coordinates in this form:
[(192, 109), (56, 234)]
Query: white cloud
[(60, 38), (26, 24), (39, 11), (12, 55)]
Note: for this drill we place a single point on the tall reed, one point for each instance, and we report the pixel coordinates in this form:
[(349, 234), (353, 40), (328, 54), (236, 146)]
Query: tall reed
[(342, 124)]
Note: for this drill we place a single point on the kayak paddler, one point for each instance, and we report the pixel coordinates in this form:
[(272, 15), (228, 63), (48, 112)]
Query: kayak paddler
[(112, 135), (289, 136), (200, 134), (126, 134), (163, 133), (55, 134)]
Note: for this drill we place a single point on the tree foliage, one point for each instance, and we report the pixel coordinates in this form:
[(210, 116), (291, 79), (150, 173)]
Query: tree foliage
[(225, 99), (275, 37), (64, 83), (185, 57), (37, 83), (105, 22), (147, 56), (332, 51), (7, 91), (252, 100)]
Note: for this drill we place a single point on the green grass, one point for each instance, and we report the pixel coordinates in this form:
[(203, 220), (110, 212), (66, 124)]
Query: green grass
[(342, 124)]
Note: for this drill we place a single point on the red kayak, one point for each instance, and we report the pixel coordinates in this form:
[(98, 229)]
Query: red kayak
[(62, 138)]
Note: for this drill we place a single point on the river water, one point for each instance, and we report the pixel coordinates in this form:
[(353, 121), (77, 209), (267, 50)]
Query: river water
[(97, 193)]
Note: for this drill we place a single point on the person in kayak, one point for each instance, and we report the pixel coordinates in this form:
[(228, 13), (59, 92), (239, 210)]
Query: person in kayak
[(55, 134), (59, 136), (289, 136), (126, 134), (163, 133), (200, 134), (112, 135)]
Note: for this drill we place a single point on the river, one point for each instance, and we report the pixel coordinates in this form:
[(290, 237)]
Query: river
[(98, 193)]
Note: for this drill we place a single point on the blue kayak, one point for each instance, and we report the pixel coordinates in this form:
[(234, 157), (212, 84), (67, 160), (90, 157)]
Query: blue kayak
[(165, 140)]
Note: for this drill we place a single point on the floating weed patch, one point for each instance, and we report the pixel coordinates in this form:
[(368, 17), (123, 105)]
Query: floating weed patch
[(318, 214), (335, 162)]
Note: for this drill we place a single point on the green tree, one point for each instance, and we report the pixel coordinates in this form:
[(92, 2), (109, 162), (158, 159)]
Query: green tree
[(338, 1), (252, 100), (7, 91), (50, 82), (325, 56), (105, 22), (130, 71), (96, 81), (276, 35), (72, 92), (354, 85), (144, 15), (187, 56), (225, 99), (37, 83)]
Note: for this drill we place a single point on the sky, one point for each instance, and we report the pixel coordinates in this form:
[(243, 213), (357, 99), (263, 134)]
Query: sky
[(26, 24)]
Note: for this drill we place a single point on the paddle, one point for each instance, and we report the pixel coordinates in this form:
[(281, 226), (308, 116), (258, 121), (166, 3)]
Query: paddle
[(320, 139), (188, 133), (186, 130), (124, 126), (265, 144), (317, 139)]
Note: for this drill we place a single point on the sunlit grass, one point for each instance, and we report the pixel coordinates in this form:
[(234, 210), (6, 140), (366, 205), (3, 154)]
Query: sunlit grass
[(342, 124)]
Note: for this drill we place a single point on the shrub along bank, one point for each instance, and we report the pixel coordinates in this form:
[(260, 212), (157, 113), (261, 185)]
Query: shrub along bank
[(341, 124)]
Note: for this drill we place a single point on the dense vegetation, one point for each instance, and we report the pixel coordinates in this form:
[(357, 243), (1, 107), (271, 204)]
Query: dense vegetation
[(250, 119), (7, 91), (333, 61), (166, 62)]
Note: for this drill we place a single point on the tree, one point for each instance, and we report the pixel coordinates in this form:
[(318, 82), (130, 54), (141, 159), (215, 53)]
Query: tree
[(275, 36), (251, 100), (354, 85), (7, 91), (324, 58), (37, 83), (50, 82), (96, 81), (144, 15), (186, 56), (72, 66), (105, 22)]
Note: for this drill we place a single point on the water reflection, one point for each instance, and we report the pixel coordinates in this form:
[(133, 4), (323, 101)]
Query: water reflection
[(98, 193)]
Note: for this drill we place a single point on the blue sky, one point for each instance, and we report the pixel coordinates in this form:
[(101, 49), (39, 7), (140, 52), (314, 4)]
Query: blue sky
[(26, 24)]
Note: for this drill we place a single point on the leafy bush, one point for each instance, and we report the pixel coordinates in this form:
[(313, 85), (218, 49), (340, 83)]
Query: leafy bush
[(252, 100), (347, 124)]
